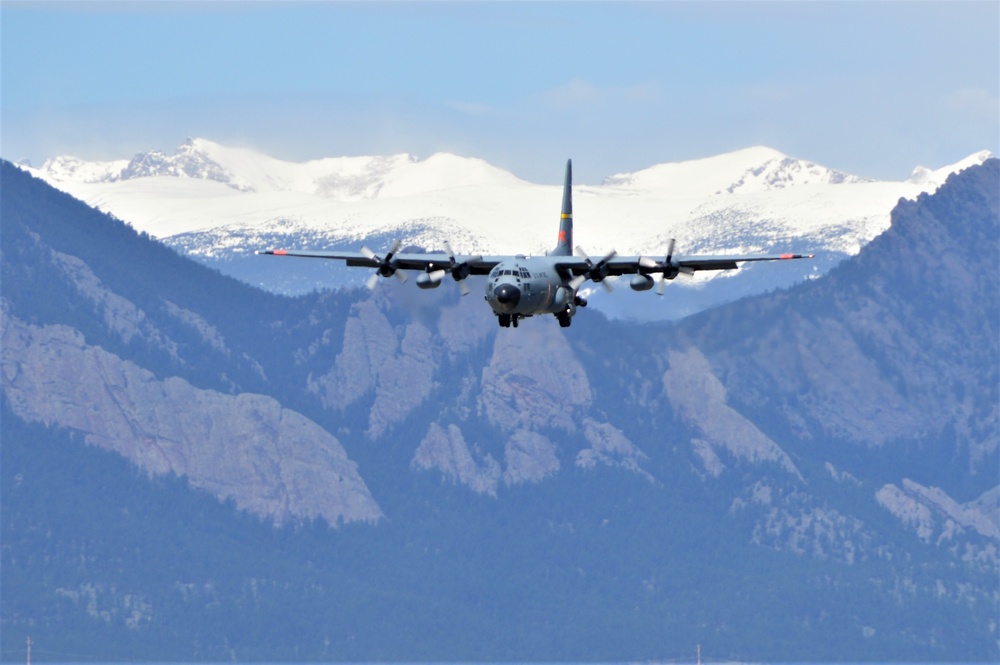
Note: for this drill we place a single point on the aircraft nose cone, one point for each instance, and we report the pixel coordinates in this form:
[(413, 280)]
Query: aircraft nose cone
[(507, 295)]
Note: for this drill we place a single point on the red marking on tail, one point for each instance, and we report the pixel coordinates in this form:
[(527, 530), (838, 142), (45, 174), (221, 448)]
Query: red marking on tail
[(562, 236)]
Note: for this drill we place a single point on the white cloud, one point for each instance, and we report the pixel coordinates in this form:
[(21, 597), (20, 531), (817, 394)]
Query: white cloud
[(576, 91)]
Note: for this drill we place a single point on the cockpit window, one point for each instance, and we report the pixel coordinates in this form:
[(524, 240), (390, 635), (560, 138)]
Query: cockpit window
[(518, 271)]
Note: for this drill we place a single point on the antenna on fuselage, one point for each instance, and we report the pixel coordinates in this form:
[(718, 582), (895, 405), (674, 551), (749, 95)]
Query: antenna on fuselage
[(564, 245)]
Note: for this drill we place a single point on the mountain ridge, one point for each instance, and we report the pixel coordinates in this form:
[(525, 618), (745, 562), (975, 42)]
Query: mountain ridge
[(928, 251), (827, 445), (219, 204)]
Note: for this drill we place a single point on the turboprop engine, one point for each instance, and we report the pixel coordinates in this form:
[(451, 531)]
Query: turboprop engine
[(430, 280), (563, 299), (641, 283)]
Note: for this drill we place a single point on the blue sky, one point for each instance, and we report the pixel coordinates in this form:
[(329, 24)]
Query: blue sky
[(870, 88)]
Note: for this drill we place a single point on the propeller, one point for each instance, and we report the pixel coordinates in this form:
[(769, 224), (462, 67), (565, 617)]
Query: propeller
[(667, 269), (596, 272), (387, 266), (459, 270)]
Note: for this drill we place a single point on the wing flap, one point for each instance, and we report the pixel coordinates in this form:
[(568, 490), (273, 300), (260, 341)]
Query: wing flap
[(730, 262), (630, 265), (478, 265)]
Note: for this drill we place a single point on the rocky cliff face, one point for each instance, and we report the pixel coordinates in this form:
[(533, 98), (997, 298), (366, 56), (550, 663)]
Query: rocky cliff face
[(888, 366), (531, 386), (900, 344), (242, 446), (269, 460), (701, 401)]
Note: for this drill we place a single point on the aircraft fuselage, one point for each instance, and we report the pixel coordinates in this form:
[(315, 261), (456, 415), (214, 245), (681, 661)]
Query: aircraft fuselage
[(523, 286)]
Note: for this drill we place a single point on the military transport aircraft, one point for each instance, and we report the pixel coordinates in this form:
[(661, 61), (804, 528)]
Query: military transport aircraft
[(521, 286)]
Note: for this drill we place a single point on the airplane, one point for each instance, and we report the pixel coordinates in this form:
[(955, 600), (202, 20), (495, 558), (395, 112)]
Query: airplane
[(521, 286)]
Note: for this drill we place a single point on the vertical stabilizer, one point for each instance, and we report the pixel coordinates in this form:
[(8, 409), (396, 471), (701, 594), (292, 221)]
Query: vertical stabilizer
[(564, 245)]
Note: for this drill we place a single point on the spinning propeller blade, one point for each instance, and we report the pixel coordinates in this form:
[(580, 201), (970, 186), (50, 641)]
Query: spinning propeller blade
[(596, 272), (459, 270), (668, 267), (386, 267)]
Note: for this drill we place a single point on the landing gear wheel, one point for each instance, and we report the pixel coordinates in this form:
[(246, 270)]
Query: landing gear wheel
[(503, 320), (514, 319), (564, 319)]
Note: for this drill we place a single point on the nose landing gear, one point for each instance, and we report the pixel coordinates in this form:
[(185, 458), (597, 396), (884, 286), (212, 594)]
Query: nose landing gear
[(506, 320)]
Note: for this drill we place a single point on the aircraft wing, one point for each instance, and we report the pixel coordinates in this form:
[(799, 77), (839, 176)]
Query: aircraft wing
[(728, 262), (478, 265), (630, 265)]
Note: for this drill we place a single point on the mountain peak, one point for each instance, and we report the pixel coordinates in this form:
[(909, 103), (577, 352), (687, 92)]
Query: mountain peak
[(69, 168), (193, 159), (935, 177), (750, 170)]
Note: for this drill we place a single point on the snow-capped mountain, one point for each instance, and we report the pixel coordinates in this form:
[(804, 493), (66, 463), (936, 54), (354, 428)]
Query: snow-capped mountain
[(218, 204)]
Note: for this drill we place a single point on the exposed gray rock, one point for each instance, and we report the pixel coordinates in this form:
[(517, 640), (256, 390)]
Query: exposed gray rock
[(534, 381), (447, 451), (899, 346), (608, 445), (120, 315), (912, 512), (841, 476), (846, 391), (405, 380), (930, 511), (369, 341), (464, 326), (530, 458), (700, 399), (209, 333), (703, 449), (270, 461), (190, 160)]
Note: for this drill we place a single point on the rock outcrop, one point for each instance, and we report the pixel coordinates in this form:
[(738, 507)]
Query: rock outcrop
[(267, 459)]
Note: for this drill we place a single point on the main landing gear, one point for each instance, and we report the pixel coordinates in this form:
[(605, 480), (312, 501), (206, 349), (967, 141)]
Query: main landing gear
[(566, 318)]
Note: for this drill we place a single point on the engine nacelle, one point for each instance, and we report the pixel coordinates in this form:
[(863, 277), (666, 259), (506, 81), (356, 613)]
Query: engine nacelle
[(429, 280), (641, 283), (563, 298)]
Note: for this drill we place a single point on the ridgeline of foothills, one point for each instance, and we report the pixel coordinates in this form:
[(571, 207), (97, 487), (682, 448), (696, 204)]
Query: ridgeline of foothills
[(194, 469)]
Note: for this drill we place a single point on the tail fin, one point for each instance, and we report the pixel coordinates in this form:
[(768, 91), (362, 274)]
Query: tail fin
[(564, 246)]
